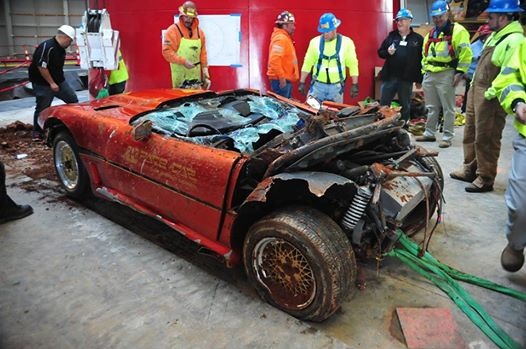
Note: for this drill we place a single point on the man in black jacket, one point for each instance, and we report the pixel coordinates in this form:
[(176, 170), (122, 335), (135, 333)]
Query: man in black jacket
[(46, 73), (402, 51)]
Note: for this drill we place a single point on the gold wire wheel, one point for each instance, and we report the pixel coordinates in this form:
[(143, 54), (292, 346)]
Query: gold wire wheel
[(66, 165), (285, 272)]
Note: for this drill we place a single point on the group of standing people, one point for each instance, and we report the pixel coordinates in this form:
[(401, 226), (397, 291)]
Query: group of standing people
[(439, 61), (329, 58), (497, 80), (494, 67)]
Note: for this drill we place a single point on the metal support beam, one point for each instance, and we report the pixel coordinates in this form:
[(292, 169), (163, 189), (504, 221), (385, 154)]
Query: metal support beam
[(9, 27), (65, 5)]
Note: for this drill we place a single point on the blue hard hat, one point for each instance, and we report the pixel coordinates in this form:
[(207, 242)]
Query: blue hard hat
[(504, 6), (404, 13), (438, 8), (328, 22)]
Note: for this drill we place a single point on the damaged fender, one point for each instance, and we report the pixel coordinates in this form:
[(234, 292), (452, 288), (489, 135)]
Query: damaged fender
[(290, 187)]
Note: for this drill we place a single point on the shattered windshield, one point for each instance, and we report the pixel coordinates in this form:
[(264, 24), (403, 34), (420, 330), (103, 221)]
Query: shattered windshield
[(248, 121)]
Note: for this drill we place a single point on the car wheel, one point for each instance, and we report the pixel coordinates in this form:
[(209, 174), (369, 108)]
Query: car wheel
[(300, 261), (69, 167)]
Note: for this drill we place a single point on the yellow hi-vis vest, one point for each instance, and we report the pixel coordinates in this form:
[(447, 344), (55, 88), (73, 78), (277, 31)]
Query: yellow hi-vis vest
[(510, 83), (121, 74), (191, 50), (447, 50)]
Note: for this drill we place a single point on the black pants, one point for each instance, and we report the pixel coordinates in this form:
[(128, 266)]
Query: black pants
[(117, 88), (5, 200)]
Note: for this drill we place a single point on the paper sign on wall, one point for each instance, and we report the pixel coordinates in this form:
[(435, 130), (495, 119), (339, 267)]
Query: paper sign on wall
[(223, 38)]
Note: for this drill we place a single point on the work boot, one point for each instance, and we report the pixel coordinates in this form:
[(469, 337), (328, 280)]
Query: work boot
[(479, 185), (462, 175), (15, 212), (37, 136), (425, 138), (512, 260), (444, 144)]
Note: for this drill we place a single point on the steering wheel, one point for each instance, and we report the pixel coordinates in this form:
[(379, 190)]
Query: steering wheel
[(208, 127)]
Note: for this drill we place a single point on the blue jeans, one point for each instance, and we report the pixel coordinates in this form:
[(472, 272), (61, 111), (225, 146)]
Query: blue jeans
[(45, 95), (404, 90), (326, 92), (285, 91)]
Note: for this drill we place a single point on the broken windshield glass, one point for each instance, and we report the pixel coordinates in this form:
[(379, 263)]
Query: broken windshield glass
[(243, 119)]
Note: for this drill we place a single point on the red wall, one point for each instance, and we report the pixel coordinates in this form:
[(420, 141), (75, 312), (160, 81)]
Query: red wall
[(140, 24)]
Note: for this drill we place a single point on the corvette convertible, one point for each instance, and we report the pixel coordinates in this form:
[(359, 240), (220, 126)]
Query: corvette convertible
[(293, 193)]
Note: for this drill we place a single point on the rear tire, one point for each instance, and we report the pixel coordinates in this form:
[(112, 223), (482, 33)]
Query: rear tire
[(69, 167), (300, 261)]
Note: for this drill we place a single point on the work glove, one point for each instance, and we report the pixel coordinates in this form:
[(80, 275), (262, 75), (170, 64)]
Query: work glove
[(354, 90), (301, 88), (457, 78)]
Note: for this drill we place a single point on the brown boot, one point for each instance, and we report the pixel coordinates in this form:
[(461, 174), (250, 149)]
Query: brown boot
[(463, 175), (480, 185), (512, 260), (444, 144)]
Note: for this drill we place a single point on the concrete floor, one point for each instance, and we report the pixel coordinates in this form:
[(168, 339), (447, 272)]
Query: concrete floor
[(98, 275)]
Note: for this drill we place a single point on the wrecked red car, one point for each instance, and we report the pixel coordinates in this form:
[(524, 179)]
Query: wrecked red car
[(291, 192)]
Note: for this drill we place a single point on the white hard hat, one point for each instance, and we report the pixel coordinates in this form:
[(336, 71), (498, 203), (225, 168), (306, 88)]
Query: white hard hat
[(68, 30)]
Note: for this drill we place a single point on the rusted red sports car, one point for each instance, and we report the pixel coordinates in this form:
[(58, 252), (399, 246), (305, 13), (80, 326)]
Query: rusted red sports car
[(291, 192)]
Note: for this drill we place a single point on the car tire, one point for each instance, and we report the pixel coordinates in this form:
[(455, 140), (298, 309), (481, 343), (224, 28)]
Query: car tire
[(300, 261), (69, 167)]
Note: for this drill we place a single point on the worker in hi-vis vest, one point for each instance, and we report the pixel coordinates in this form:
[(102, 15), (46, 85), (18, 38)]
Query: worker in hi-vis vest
[(117, 78), (184, 48), (510, 88), (328, 57), (446, 58)]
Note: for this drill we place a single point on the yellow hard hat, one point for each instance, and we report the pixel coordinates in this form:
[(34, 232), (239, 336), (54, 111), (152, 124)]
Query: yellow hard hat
[(188, 9)]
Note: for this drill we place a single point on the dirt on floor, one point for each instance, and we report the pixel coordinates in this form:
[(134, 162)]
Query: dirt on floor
[(22, 155)]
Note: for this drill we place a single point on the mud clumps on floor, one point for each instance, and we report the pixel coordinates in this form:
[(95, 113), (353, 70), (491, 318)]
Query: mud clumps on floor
[(24, 156)]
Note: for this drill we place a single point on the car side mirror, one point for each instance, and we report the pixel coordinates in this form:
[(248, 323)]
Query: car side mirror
[(313, 102), (142, 130)]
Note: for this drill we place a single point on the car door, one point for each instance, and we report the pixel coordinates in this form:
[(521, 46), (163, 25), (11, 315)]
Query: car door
[(176, 180)]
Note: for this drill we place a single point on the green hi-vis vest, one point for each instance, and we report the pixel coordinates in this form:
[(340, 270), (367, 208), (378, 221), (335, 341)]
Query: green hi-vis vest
[(191, 50), (121, 74)]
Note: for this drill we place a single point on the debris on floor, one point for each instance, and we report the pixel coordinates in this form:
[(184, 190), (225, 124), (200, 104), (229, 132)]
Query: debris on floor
[(23, 155)]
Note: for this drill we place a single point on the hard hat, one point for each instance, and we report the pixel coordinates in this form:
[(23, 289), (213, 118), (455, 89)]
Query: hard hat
[(404, 13), (328, 22), (484, 30), (438, 8), (188, 9), (504, 6), (285, 17), (68, 31)]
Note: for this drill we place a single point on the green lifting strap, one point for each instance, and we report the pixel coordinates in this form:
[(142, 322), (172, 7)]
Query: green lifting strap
[(443, 276)]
